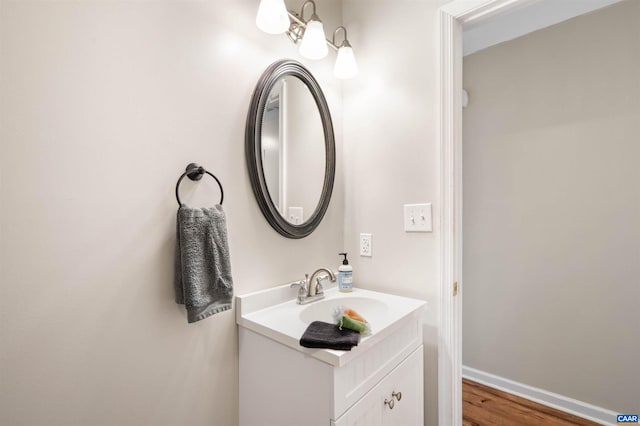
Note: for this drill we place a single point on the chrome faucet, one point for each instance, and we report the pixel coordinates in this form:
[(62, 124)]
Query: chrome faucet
[(310, 289), (316, 287)]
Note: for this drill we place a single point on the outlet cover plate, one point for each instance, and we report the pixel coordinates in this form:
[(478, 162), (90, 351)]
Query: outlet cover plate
[(366, 247), (417, 218), (296, 215)]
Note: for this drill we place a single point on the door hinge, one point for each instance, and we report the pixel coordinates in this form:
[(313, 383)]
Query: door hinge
[(455, 288)]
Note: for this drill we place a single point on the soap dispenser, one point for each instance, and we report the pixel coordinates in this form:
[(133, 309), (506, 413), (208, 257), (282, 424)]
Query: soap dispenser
[(345, 275)]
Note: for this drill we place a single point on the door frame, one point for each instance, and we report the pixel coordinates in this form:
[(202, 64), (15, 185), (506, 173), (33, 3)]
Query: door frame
[(451, 18)]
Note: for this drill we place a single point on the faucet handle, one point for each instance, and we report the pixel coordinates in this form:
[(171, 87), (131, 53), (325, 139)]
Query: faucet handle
[(300, 283), (319, 288), (302, 287)]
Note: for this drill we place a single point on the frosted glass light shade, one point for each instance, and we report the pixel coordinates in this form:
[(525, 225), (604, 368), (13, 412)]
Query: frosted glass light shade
[(345, 66), (272, 16), (314, 45)]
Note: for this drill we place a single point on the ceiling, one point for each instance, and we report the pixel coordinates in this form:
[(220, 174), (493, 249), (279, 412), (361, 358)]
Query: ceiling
[(521, 21)]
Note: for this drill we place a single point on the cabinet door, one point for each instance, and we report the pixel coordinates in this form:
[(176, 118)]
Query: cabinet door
[(404, 386), (366, 412), (407, 410)]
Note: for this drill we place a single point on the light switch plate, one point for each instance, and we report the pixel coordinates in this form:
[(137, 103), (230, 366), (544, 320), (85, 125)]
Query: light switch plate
[(417, 218), (365, 245)]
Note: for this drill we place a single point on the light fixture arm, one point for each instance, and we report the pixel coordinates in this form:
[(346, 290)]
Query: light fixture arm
[(298, 20), (314, 16), (345, 42)]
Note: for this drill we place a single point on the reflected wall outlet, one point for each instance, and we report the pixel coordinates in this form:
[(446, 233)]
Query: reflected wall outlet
[(296, 215), (417, 218), (365, 245)]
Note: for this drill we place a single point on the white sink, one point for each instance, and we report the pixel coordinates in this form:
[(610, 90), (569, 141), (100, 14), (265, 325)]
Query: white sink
[(367, 307), (275, 314)]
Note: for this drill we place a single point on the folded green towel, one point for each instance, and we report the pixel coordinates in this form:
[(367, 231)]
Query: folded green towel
[(351, 324)]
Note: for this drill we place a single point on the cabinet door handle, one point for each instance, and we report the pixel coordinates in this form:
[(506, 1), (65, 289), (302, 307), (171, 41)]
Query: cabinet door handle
[(396, 395), (390, 403)]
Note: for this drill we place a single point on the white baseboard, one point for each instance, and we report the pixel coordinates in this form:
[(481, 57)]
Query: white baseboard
[(541, 396)]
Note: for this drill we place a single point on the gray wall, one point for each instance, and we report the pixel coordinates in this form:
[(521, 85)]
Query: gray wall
[(103, 104), (552, 209)]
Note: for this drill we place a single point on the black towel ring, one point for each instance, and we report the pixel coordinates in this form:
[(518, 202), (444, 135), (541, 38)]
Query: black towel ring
[(195, 172)]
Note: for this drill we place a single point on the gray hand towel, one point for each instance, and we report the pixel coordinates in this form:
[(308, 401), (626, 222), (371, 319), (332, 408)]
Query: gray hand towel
[(203, 280), (328, 336)]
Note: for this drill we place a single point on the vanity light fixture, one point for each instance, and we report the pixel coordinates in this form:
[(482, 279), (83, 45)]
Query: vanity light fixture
[(345, 66), (313, 45), (272, 17), (309, 33)]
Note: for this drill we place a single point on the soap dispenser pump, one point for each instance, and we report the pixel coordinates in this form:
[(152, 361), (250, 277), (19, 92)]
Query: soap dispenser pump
[(345, 275)]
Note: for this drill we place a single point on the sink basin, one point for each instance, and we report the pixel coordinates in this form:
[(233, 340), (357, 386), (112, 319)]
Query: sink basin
[(371, 309), (274, 314)]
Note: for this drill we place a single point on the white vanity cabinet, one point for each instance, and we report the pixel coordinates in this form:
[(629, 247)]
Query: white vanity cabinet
[(377, 383)]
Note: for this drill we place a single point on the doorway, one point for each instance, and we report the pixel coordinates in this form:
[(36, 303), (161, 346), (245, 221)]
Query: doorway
[(452, 19)]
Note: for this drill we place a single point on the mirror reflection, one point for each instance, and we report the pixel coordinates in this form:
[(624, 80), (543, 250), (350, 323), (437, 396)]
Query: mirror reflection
[(293, 149)]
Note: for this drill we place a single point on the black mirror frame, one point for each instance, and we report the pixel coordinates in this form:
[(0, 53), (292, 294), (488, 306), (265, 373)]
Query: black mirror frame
[(253, 148)]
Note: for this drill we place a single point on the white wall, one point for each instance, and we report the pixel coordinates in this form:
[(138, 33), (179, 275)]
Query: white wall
[(552, 209), (392, 156), (102, 106)]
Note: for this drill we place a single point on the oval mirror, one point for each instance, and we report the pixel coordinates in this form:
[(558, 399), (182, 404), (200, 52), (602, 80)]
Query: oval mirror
[(290, 149)]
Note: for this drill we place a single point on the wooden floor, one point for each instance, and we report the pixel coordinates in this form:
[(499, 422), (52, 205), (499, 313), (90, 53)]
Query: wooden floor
[(482, 405)]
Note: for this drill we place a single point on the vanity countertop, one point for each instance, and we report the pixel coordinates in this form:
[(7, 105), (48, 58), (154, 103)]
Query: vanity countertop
[(274, 313)]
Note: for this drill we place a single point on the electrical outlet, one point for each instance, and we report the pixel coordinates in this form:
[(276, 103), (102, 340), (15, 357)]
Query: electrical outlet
[(296, 215), (365, 245)]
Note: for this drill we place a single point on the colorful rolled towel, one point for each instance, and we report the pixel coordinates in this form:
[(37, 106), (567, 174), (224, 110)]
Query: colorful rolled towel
[(350, 319)]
